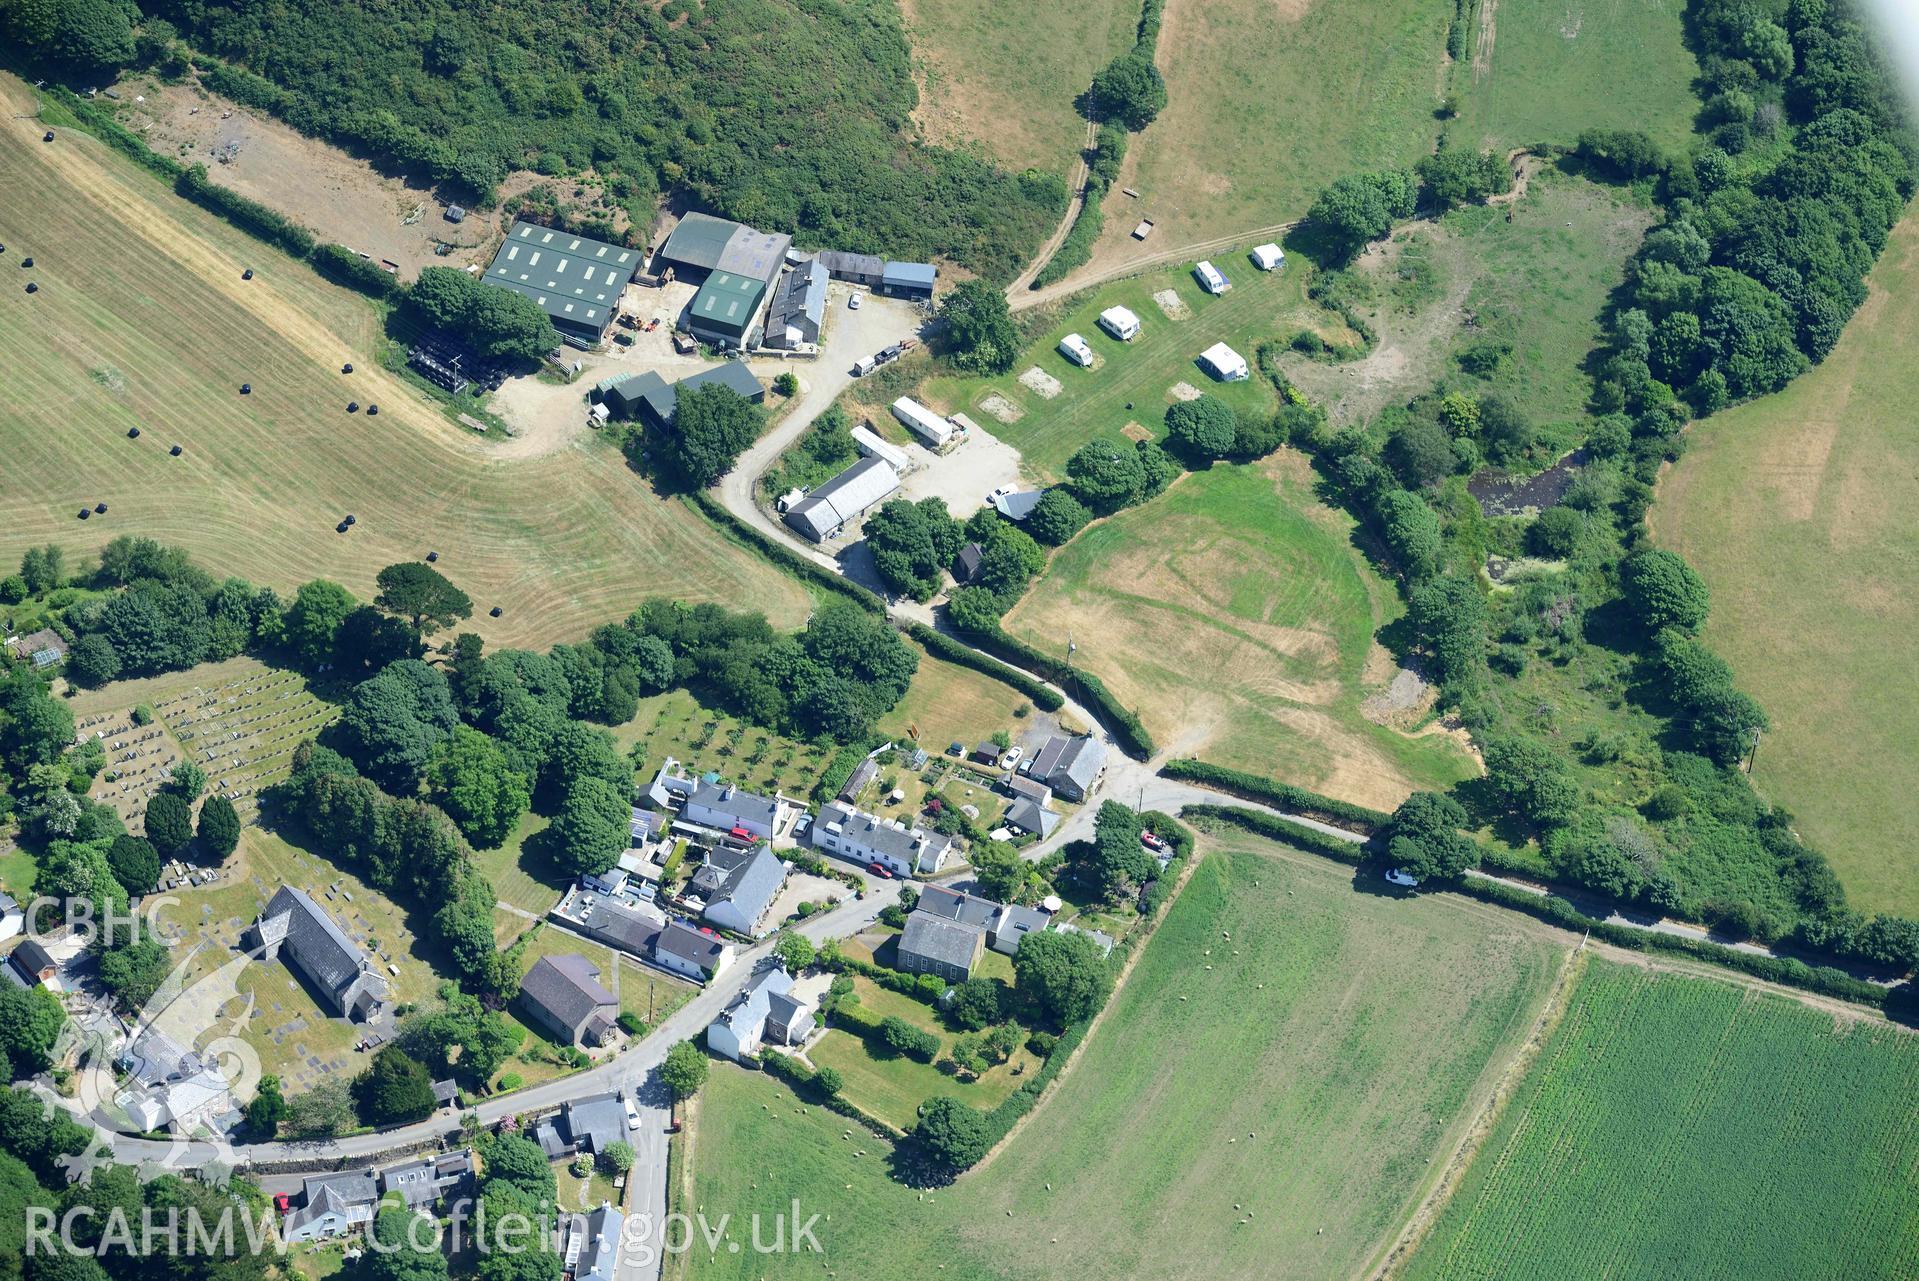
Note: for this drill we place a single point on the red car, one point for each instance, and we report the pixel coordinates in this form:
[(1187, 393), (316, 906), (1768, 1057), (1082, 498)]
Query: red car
[(283, 1203), (880, 871)]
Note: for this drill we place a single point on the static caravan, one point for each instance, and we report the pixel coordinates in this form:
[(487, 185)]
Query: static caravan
[(1120, 322), (1211, 279), (1224, 363), (1268, 257), (1074, 348), (924, 423)]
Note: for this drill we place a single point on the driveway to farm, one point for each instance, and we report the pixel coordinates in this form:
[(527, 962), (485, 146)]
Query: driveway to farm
[(880, 322)]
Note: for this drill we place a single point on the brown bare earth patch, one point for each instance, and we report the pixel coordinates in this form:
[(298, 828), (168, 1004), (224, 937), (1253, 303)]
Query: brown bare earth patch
[(341, 198)]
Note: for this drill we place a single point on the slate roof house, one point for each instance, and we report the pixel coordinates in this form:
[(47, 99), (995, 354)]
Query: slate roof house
[(422, 1182), (330, 1205), (1029, 816), (831, 507), (726, 808), (601, 1254), (1070, 766), (764, 1013), (172, 1088), (690, 953), (617, 924), (563, 995), (293, 925), (934, 945), (948, 932), (863, 838), (799, 307), (31, 965), (738, 886), (43, 648), (595, 1122)]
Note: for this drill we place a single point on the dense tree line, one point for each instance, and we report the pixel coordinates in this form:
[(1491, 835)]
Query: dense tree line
[(785, 113), (1772, 223), (834, 678), (406, 848), (162, 613)]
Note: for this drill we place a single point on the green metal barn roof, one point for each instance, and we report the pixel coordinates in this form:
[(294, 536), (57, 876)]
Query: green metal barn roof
[(575, 280), (726, 303)]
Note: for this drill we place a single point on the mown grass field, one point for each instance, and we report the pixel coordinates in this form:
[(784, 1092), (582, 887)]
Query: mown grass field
[(1798, 510), (1141, 373), (1332, 1048), (1684, 1127), (142, 320), (1535, 281), (1235, 615), (1267, 103), (1002, 75), (948, 703), (1543, 70)]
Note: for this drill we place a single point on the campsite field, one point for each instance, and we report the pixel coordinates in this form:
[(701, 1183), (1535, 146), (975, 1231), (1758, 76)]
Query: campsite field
[(1002, 74), (1340, 1037), (1267, 103), (1129, 390), (1540, 71), (1681, 1126), (1235, 614), (1797, 509), (1534, 281), (142, 320)]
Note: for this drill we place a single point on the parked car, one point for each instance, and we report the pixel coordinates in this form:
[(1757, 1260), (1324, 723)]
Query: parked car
[(880, 870), (1152, 841), (632, 1115), (853, 301), (1010, 757), (1399, 876)]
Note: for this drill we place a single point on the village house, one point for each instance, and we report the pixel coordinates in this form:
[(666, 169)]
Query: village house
[(738, 886), (765, 1012), (1072, 767), (863, 838), (563, 996)]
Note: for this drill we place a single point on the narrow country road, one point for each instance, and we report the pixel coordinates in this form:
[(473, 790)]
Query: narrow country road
[(1019, 297), (1024, 280)]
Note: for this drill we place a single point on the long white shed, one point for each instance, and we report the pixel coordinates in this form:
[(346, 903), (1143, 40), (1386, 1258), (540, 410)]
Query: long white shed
[(923, 422)]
